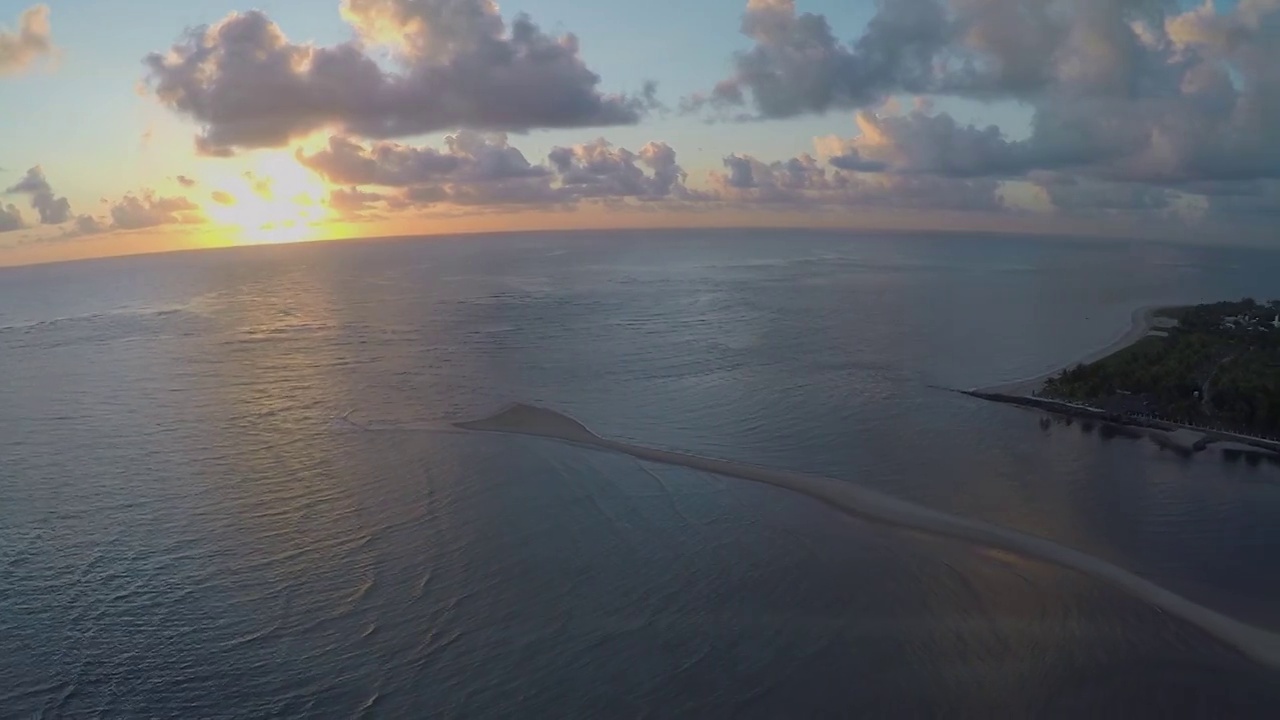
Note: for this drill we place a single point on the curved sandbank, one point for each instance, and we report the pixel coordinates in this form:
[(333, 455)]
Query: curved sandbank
[(1261, 645), (1141, 323)]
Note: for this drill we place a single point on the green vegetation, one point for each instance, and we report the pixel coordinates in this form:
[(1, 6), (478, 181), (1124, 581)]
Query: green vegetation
[(1219, 366)]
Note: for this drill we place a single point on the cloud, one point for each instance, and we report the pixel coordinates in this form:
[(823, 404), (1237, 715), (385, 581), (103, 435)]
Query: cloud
[(849, 158), (349, 163), (1123, 91), (138, 211), (33, 39), (483, 170), (805, 182), (455, 63), (920, 143), (135, 212), (355, 205), (222, 197), (10, 219), (89, 225), (972, 48), (797, 65), (53, 210), (1257, 202), (132, 212), (1071, 194), (185, 181), (477, 169), (598, 169)]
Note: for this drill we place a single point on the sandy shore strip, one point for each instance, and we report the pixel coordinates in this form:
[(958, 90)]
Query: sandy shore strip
[(1143, 322), (1261, 645)]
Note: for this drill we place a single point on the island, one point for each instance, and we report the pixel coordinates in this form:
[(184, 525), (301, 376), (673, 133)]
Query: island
[(1209, 373)]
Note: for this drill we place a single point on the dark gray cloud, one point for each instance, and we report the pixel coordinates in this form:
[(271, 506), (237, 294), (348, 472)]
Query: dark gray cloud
[(478, 169), (53, 210), (185, 181), (1257, 202), (32, 39), (135, 212), (10, 218), (457, 64)]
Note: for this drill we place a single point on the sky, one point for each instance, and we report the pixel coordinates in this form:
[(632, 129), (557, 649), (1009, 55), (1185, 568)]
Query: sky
[(153, 125)]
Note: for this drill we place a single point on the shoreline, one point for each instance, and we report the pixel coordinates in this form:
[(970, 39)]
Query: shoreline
[(1262, 645), (1142, 322), (1183, 438)]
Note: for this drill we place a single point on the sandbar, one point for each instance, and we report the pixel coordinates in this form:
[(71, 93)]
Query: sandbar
[(1261, 645)]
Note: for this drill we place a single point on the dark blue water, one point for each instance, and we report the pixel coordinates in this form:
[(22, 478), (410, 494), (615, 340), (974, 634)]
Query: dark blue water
[(190, 528)]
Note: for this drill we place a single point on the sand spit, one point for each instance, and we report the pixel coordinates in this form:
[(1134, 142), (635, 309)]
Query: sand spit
[(1260, 645)]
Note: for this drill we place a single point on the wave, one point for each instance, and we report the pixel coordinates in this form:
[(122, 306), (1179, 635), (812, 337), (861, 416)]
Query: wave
[(1260, 645)]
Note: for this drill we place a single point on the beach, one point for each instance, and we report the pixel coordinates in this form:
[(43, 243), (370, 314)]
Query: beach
[(1142, 322)]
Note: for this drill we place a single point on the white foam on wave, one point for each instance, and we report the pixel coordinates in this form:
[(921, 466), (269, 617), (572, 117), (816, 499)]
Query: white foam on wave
[(1258, 644)]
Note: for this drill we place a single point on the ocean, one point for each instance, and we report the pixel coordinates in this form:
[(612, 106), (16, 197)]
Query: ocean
[(231, 486)]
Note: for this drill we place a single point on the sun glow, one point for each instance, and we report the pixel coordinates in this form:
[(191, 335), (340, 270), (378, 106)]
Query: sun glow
[(275, 200)]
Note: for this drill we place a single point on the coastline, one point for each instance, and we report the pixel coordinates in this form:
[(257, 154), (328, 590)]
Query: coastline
[(1187, 439), (1142, 322)]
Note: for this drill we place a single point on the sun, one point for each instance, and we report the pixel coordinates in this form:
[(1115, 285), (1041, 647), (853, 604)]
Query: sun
[(272, 200)]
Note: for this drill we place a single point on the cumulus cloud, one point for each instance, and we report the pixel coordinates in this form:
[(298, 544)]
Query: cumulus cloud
[(349, 163), (222, 197), (52, 209), (139, 211), (1131, 92), (598, 169), (89, 225), (974, 48), (485, 169), (135, 212), (455, 63), (1071, 194), (10, 219), (1256, 201), (921, 143), (32, 39), (185, 181), (355, 205), (805, 181), (797, 64)]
